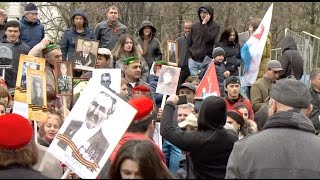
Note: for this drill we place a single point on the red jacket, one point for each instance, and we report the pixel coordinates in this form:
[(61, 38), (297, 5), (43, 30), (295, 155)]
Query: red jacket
[(128, 136), (230, 102)]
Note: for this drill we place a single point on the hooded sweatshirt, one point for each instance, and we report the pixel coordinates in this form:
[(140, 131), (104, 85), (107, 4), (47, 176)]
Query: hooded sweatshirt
[(290, 60), (17, 49), (31, 33), (211, 145), (202, 37), (153, 53), (69, 39)]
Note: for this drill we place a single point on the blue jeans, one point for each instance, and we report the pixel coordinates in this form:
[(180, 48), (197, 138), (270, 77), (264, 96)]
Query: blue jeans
[(194, 67), (173, 155)]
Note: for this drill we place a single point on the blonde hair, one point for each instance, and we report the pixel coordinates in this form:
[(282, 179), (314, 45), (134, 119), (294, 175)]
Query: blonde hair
[(60, 121)]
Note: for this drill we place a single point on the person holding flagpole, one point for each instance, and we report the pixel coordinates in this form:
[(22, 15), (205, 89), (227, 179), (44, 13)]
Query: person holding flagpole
[(255, 53), (266, 55)]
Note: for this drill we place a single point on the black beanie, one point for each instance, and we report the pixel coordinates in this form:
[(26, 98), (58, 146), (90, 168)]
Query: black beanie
[(231, 80), (30, 8), (236, 116)]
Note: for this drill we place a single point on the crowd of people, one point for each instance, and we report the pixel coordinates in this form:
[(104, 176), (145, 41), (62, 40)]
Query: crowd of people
[(271, 131)]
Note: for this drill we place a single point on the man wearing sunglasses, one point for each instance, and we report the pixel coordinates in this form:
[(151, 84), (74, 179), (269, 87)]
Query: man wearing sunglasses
[(261, 88)]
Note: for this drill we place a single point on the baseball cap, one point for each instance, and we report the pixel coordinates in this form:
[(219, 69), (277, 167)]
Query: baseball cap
[(188, 85), (274, 65), (190, 120)]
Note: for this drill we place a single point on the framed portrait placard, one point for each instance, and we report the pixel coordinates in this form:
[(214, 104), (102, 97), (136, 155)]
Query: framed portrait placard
[(6, 55), (91, 131), (26, 62), (168, 80), (109, 78), (172, 52), (37, 95), (78, 85), (85, 54), (63, 75)]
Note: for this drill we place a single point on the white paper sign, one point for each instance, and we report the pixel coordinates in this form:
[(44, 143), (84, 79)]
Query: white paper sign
[(108, 77), (157, 136), (92, 130)]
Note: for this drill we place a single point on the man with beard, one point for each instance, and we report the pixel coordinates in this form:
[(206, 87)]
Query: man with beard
[(90, 141)]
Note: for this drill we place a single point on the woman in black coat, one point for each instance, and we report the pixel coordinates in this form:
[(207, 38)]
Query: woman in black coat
[(229, 42)]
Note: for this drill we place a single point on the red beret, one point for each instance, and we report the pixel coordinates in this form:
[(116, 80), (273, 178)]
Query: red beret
[(143, 105), (15, 132), (141, 88)]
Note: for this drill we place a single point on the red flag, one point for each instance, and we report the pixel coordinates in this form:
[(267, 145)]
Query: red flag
[(209, 83)]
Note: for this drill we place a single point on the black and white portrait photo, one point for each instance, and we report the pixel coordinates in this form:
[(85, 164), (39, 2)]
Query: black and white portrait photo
[(86, 52), (63, 72), (92, 130), (37, 91), (172, 51)]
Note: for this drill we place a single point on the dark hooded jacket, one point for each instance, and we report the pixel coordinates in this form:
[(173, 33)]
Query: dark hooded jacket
[(211, 145), (31, 33), (202, 37), (290, 58), (154, 52), (69, 38), (232, 52), (17, 49)]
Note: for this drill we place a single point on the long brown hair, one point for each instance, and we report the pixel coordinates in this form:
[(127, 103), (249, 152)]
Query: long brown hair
[(142, 152), (25, 158), (118, 50)]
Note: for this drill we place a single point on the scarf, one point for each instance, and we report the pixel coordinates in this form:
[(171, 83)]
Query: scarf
[(292, 119)]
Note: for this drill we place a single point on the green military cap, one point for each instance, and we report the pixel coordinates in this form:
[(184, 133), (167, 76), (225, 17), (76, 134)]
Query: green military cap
[(130, 60), (51, 47), (160, 63)]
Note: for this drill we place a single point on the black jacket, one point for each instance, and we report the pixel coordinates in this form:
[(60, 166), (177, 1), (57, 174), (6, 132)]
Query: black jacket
[(154, 52), (290, 58), (210, 146), (232, 56), (182, 51), (17, 48), (202, 37), (314, 115), (21, 173)]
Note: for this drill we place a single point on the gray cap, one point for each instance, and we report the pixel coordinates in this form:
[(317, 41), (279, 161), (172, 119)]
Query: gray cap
[(188, 85), (290, 92), (274, 65)]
